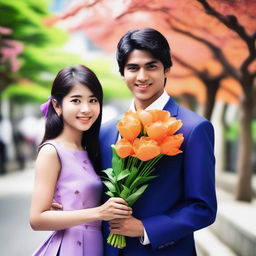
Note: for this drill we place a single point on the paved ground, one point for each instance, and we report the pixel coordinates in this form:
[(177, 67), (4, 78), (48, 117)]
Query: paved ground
[(16, 236)]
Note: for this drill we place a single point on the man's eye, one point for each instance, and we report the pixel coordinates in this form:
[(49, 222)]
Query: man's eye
[(131, 68), (152, 67)]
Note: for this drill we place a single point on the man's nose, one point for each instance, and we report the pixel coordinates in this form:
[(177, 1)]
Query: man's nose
[(142, 75)]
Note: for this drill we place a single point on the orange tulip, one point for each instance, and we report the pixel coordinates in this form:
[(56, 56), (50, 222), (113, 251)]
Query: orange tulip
[(145, 148), (159, 115), (130, 114), (173, 125), (171, 144), (156, 130), (129, 126), (145, 117), (124, 148)]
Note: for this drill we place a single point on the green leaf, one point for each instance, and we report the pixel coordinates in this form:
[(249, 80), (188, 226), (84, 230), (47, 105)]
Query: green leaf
[(110, 194), (123, 174), (108, 171), (125, 192), (117, 162), (110, 186), (110, 174), (140, 180), (135, 196), (132, 176)]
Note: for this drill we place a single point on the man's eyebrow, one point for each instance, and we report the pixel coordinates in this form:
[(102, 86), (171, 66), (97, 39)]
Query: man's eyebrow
[(152, 62), (131, 64), (148, 63)]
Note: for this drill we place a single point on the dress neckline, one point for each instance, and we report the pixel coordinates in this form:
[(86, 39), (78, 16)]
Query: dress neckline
[(71, 149)]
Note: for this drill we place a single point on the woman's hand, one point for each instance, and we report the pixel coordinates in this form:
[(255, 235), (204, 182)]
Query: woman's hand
[(114, 208)]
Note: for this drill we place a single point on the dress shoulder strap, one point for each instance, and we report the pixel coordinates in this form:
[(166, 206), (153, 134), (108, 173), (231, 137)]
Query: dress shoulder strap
[(55, 145), (51, 142)]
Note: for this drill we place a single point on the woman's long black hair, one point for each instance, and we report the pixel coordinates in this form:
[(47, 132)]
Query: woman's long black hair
[(65, 80)]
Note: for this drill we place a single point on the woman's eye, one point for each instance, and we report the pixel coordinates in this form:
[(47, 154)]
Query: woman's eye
[(94, 100), (75, 100)]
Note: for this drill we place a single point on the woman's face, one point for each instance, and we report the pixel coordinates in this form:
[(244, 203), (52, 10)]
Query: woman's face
[(80, 108)]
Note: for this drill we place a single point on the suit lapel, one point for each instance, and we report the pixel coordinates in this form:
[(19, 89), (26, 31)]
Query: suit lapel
[(172, 106)]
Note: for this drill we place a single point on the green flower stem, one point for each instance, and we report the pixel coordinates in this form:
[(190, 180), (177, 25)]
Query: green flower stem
[(122, 164), (132, 161), (118, 188), (117, 241), (149, 165), (140, 165), (129, 162)]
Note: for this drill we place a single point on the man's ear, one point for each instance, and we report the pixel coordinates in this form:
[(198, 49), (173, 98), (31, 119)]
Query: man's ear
[(167, 71), (56, 107)]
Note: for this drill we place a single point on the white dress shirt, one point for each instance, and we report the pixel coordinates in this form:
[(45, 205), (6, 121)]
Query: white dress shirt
[(157, 104)]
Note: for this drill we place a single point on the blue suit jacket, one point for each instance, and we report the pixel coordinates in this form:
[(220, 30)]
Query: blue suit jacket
[(181, 199)]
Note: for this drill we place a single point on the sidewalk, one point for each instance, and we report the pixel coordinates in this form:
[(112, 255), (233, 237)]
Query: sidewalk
[(16, 236), (16, 182)]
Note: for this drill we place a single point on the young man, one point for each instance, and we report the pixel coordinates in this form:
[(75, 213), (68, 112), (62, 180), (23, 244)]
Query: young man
[(182, 198)]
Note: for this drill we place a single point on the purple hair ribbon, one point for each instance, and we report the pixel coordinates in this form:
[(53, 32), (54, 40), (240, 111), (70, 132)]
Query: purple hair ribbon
[(45, 106)]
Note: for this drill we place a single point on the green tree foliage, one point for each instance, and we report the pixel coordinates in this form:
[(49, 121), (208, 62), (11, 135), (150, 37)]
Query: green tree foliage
[(42, 56), (112, 83)]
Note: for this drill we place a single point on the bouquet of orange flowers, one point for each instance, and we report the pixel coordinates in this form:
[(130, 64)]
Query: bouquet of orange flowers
[(147, 135)]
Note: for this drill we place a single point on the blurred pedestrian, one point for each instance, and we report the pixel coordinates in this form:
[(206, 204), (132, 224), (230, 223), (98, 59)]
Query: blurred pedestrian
[(3, 149)]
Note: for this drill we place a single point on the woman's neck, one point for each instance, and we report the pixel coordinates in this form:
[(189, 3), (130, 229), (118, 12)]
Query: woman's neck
[(71, 139)]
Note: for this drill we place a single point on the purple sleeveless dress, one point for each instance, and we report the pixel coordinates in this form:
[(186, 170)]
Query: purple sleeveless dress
[(78, 187)]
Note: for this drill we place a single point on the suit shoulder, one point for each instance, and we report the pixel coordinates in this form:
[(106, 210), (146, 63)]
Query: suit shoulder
[(108, 126), (191, 118)]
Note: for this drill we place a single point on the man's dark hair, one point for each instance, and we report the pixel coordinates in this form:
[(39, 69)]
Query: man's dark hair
[(147, 39)]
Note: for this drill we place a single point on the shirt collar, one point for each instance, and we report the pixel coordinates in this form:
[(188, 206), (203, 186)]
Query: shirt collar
[(159, 103)]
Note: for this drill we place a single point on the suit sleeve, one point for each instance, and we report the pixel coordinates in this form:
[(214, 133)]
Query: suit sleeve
[(199, 207)]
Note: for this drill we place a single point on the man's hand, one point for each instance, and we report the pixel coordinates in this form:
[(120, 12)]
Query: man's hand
[(128, 227)]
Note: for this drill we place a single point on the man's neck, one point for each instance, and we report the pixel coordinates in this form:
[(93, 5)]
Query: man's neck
[(159, 102), (140, 105)]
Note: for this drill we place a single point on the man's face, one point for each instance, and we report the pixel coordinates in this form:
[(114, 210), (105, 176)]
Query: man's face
[(144, 76)]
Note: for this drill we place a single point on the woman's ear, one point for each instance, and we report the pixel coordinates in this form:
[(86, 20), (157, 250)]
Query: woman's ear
[(56, 107)]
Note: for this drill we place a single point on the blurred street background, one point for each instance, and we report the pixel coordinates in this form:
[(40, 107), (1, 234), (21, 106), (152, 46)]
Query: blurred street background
[(213, 73)]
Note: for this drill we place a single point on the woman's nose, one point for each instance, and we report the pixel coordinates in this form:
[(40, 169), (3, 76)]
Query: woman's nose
[(85, 107)]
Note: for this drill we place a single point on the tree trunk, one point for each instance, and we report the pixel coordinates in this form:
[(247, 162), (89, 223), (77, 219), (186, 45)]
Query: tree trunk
[(212, 87), (244, 164), (189, 101), (223, 125)]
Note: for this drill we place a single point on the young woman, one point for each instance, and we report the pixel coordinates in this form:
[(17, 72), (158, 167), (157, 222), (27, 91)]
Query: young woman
[(67, 166)]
